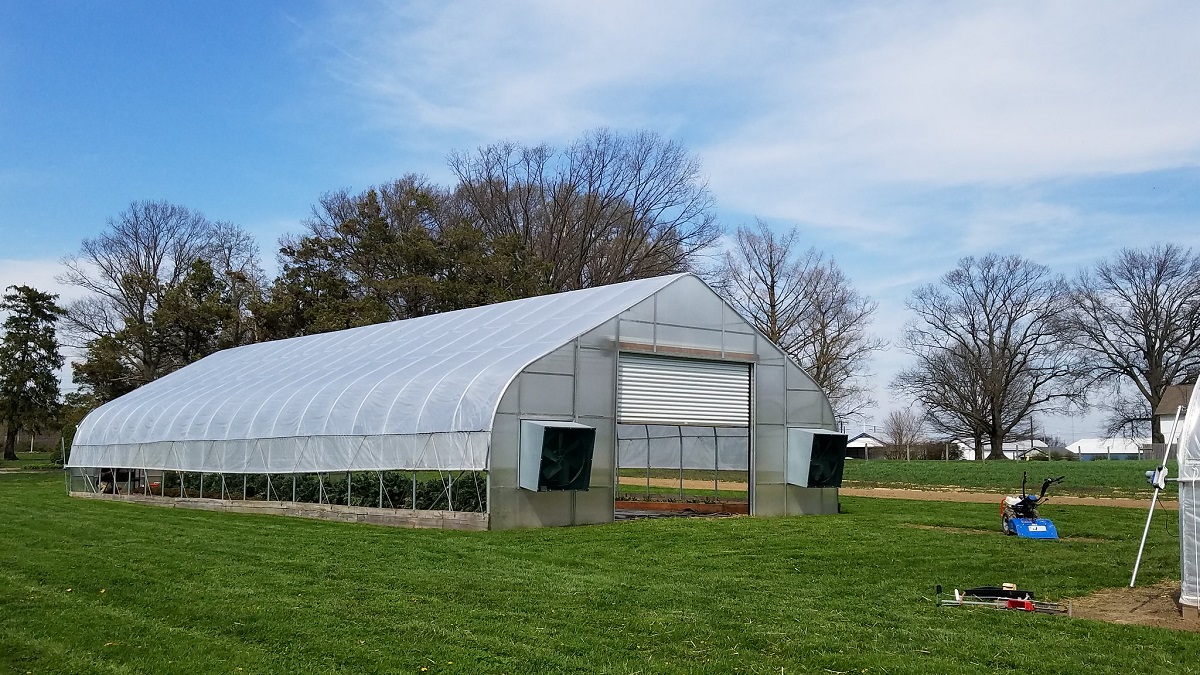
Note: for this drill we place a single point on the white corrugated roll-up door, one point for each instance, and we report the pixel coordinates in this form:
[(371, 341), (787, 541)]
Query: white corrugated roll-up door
[(684, 392)]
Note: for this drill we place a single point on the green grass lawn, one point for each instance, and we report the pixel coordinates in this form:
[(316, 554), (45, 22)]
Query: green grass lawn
[(1093, 479), (29, 461), (102, 587)]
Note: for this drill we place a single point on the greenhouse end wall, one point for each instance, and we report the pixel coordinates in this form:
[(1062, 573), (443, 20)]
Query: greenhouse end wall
[(578, 383)]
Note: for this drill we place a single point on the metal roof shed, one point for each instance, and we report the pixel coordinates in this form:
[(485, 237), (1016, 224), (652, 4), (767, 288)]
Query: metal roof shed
[(448, 392)]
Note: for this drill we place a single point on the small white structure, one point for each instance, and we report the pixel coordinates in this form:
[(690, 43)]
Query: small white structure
[(1189, 508), (1108, 448), (860, 445), (1011, 450)]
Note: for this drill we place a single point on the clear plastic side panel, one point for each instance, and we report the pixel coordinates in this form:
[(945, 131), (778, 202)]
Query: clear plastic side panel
[(733, 449), (807, 409), (770, 500), (768, 353), (543, 395), (596, 505), (799, 380), (1189, 508), (545, 509), (733, 322), (689, 302), (603, 336), (688, 337), (811, 501), (638, 332), (770, 465), (643, 311), (771, 394), (596, 385), (1189, 543), (560, 362)]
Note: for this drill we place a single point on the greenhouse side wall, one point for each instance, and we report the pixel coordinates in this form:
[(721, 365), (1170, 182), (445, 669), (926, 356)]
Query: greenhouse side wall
[(1189, 509)]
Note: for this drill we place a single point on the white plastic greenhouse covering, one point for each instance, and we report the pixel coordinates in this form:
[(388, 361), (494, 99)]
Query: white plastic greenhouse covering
[(1189, 506), (415, 394)]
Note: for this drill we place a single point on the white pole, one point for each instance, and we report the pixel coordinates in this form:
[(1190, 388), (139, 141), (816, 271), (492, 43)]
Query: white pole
[(1160, 476)]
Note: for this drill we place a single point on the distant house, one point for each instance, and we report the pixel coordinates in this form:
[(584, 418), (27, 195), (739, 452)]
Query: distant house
[(1108, 448), (1013, 450), (1174, 397), (859, 446)]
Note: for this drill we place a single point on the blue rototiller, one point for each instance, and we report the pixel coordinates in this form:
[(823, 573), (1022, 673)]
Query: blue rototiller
[(1019, 514)]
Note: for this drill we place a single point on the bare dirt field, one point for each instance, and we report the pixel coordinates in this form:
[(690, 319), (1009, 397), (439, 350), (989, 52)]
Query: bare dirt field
[(1154, 605)]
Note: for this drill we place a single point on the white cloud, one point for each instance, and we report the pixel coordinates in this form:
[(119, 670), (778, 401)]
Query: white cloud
[(907, 91), (997, 93), (533, 70)]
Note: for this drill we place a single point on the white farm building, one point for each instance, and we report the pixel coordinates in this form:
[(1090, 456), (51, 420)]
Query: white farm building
[(1109, 448), (526, 412)]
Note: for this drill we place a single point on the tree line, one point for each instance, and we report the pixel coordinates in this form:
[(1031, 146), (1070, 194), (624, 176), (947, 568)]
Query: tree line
[(994, 341), (1001, 337), (163, 286)]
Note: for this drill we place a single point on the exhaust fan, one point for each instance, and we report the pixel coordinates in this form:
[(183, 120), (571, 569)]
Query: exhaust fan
[(815, 457), (556, 456)]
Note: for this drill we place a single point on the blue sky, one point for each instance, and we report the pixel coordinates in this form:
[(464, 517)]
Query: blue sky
[(898, 136)]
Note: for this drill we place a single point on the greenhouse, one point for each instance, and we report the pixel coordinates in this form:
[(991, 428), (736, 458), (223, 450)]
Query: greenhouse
[(1189, 508), (554, 410)]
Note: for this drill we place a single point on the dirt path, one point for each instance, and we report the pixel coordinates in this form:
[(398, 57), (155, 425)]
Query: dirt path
[(945, 495)]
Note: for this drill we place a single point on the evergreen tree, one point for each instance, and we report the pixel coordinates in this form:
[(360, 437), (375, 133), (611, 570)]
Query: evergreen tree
[(29, 360)]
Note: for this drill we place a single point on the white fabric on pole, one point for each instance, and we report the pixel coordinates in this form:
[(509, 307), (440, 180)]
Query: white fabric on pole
[(414, 394), (1189, 507)]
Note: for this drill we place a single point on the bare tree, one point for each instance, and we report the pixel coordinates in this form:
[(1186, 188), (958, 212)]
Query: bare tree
[(943, 383), (1135, 318), (145, 252), (805, 304), (989, 348), (765, 278), (611, 208), (904, 428), (835, 347)]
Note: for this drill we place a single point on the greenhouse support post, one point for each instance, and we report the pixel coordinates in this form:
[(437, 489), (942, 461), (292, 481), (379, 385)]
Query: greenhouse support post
[(680, 462), (716, 465)]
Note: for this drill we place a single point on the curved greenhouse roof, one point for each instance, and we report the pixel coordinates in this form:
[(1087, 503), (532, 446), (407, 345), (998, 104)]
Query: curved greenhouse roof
[(430, 384)]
